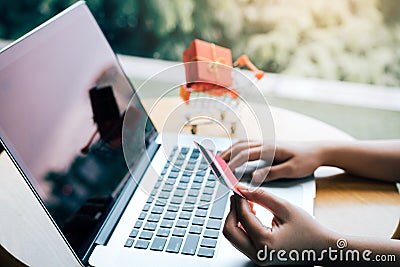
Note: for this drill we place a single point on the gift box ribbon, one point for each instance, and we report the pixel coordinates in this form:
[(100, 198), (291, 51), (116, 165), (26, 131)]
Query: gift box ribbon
[(213, 63)]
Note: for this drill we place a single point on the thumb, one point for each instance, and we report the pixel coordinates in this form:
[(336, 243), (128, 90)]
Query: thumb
[(279, 207)]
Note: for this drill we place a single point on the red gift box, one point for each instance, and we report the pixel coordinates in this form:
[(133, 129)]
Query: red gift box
[(211, 64)]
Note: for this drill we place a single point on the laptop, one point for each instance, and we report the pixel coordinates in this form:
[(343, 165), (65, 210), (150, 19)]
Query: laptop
[(63, 100)]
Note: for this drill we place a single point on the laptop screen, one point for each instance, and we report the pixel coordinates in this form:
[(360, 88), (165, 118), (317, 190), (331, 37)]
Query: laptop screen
[(62, 100)]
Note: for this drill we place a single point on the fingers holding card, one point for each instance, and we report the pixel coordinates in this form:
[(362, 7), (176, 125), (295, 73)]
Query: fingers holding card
[(220, 169)]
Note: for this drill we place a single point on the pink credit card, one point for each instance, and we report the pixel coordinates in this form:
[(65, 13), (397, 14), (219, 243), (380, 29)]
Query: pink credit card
[(220, 169)]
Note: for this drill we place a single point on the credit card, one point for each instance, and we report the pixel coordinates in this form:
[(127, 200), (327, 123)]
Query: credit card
[(220, 169)]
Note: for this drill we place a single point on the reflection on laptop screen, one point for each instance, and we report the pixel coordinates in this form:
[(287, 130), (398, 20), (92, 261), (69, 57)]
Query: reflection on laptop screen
[(62, 100)]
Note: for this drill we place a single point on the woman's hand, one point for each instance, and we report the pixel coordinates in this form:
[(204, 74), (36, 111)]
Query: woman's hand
[(292, 229), (292, 160)]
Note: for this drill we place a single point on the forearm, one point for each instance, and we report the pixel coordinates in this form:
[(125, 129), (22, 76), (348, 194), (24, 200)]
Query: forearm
[(371, 159)]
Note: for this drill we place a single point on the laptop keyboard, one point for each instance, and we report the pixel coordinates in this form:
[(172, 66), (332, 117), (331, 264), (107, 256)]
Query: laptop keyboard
[(184, 211)]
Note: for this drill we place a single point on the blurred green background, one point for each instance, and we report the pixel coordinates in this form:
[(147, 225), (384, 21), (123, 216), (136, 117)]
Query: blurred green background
[(349, 40), (346, 40)]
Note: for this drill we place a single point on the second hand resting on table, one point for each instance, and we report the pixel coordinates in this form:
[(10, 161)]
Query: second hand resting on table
[(293, 228)]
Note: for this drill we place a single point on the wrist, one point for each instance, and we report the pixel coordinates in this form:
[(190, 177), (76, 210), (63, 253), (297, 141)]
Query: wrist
[(329, 239), (324, 152), (329, 247), (329, 152)]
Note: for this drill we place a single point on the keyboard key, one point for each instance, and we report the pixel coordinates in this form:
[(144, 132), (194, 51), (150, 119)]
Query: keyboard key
[(184, 179), (142, 244), (195, 229), (179, 232), (154, 218), (218, 208), (211, 178), (174, 244), (129, 243), (211, 233), (154, 192), (187, 172), (210, 184), (198, 179), (181, 157), (164, 195), (167, 188), (157, 210), (134, 233), (188, 207), (192, 161), (182, 185), (146, 235), (166, 223), (170, 181), (198, 221), (164, 232), (195, 154), (185, 215), (160, 203), (189, 167), (182, 223), (179, 193), (173, 208), (172, 176), (205, 198), (201, 213), (175, 170), (191, 244), (190, 200), (158, 244), (157, 185), (138, 224), (201, 173), (142, 215), (166, 166), (150, 226), (214, 224), (205, 252), (170, 215), (184, 150), (193, 192), (176, 200), (146, 207), (208, 243), (203, 166), (179, 162), (203, 206), (196, 186), (208, 191), (150, 200)]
